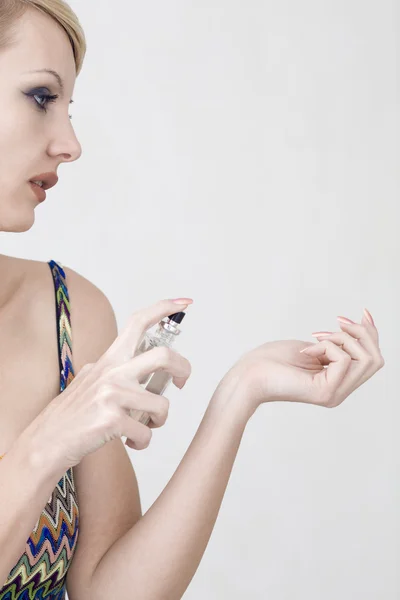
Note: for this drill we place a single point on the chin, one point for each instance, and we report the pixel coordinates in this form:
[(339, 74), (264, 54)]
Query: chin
[(17, 219)]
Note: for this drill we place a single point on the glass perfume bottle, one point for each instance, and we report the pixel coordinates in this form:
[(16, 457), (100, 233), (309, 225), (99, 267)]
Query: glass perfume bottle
[(157, 382)]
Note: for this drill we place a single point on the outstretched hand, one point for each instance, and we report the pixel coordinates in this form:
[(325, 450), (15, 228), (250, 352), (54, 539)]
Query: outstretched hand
[(324, 373)]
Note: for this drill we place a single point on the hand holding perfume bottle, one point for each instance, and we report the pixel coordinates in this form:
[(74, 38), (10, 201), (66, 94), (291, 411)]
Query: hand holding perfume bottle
[(158, 382)]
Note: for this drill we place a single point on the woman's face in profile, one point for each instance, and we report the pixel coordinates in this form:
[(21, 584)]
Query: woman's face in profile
[(36, 135)]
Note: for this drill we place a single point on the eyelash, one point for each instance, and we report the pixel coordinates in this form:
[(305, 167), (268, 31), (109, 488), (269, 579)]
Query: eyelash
[(48, 97)]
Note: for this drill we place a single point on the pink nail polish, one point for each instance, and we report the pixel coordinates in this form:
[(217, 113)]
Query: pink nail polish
[(369, 316), (182, 301), (317, 333), (344, 320)]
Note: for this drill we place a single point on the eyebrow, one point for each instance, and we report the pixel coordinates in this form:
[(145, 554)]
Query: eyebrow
[(56, 75)]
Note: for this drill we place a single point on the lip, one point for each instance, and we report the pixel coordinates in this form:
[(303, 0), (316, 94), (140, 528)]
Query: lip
[(49, 180), (39, 192)]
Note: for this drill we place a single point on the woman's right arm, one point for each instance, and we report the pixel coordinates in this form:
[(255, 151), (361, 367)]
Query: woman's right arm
[(94, 409), (25, 486)]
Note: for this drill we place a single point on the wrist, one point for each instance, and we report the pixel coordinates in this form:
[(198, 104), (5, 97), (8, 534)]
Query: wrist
[(231, 398), (40, 451), (36, 459)]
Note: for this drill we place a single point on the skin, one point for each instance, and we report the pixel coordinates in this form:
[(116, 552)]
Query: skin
[(33, 141)]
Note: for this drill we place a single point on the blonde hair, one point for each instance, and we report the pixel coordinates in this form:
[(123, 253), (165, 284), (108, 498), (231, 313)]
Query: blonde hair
[(59, 10)]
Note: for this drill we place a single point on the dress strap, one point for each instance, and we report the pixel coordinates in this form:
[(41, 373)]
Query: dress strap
[(64, 331)]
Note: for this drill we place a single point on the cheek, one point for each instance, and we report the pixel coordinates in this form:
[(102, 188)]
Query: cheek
[(19, 147)]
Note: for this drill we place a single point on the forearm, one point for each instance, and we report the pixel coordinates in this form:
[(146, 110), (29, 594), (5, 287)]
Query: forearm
[(25, 487), (158, 557)]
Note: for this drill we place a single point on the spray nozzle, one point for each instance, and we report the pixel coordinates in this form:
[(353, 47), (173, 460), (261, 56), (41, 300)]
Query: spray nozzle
[(177, 317)]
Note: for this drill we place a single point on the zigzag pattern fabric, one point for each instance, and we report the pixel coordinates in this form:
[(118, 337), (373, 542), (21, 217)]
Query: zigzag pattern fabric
[(41, 572)]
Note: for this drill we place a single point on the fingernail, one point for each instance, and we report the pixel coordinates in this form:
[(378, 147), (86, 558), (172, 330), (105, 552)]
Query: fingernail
[(304, 349), (318, 333), (344, 320), (182, 301), (369, 316)]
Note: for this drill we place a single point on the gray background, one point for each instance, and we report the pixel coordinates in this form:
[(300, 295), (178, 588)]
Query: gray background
[(245, 154)]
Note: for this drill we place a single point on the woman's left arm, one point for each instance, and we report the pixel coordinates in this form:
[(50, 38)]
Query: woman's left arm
[(158, 557)]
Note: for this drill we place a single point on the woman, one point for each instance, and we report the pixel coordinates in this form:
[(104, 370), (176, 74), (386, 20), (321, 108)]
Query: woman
[(60, 438)]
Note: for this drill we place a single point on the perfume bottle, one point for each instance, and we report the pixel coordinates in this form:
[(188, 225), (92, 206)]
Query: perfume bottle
[(157, 382)]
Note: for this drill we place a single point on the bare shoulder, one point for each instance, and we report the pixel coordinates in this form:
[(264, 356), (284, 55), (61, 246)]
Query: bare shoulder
[(93, 321), (108, 491)]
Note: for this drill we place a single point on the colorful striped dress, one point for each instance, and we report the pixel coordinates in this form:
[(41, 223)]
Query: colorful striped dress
[(41, 572)]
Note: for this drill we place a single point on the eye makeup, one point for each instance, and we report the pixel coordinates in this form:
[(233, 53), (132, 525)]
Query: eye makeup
[(43, 94)]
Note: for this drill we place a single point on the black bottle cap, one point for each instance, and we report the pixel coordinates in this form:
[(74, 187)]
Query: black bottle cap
[(177, 317)]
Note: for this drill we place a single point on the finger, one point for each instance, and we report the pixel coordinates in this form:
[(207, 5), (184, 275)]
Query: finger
[(367, 336), (179, 382), (369, 318), (124, 346), (348, 344), (138, 402), (156, 359), (371, 328), (154, 405), (143, 417), (328, 380), (138, 435)]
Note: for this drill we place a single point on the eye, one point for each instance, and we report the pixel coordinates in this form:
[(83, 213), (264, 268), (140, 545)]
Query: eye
[(43, 99)]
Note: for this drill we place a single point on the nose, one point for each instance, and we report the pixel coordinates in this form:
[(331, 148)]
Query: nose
[(65, 146)]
